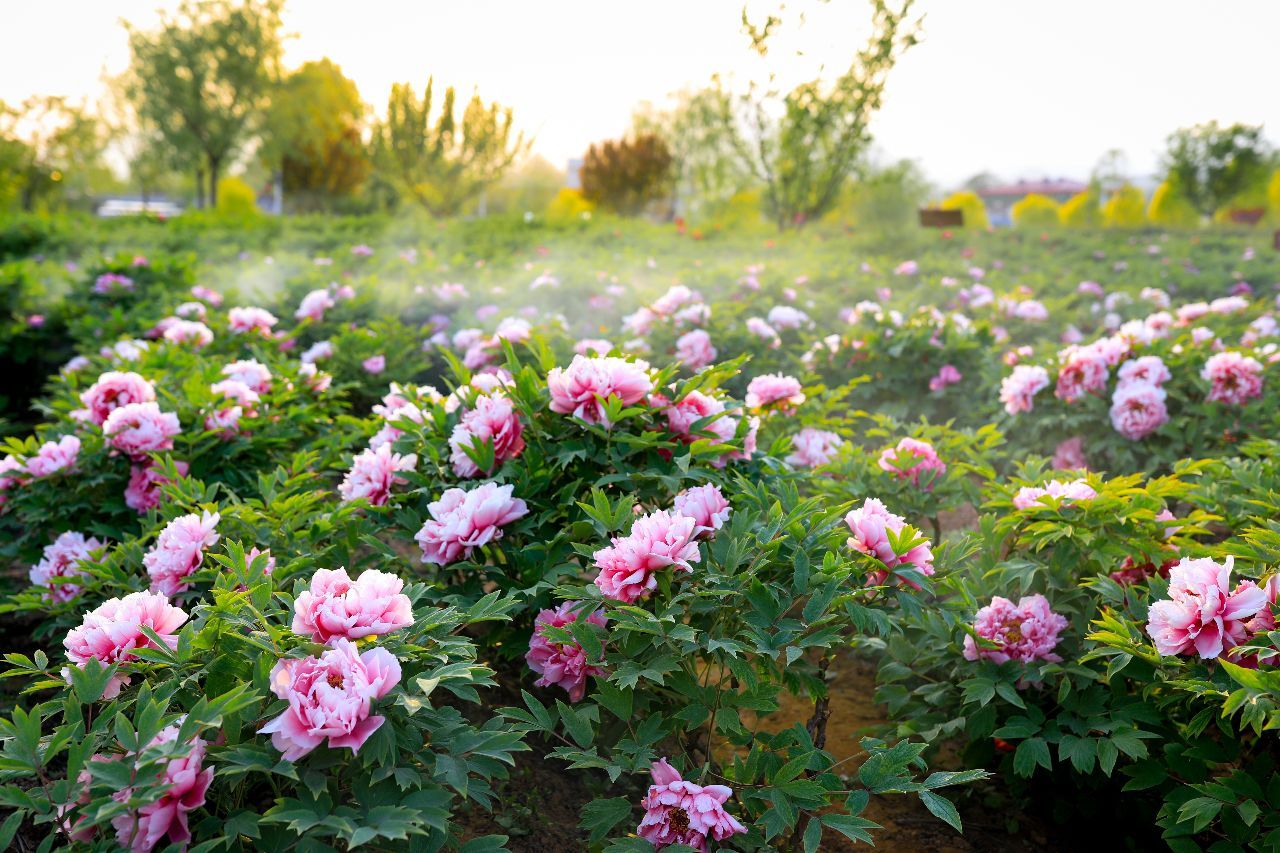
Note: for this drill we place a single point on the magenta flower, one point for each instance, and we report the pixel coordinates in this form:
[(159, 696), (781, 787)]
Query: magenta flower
[(871, 525), (187, 781), (680, 812), (110, 633), (179, 550), (694, 349), (947, 375), (1203, 613), (911, 460), (462, 521), (145, 480), (774, 391), (139, 429), (336, 606), (373, 473), (1138, 409), (251, 319), (580, 389), (61, 560), (1018, 389), (54, 456), (706, 506), (110, 282), (114, 389), (562, 664), (493, 420), (1027, 631), (659, 540), (1236, 379), (813, 447), (330, 696)]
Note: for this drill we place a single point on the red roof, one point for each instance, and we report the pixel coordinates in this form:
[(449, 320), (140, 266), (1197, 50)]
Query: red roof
[(1021, 188)]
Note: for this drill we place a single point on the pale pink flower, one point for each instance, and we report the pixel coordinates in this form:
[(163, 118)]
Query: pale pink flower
[(1138, 409), (251, 319), (947, 375), (9, 467), (1149, 369), (204, 294), (1083, 372), (680, 812), (1067, 493), (61, 560), (774, 391), (316, 352), (1203, 613), (906, 268), (659, 540), (110, 282), (695, 350), (145, 480), (337, 606), (463, 520), (114, 389), (187, 781), (1027, 631), (593, 346), (373, 473), (189, 332), (316, 380), (110, 633), (179, 550), (374, 364), (813, 447), (1018, 389), (225, 422), (493, 420), (1069, 455), (761, 329), (330, 696), (871, 525), (562, 664), (140, 428), (1236, 379), (313, 305), (787, 317), (912, 459), (706, 506), (54, 456), (191, 310), (236, 390), (251, 372), (580, 388)]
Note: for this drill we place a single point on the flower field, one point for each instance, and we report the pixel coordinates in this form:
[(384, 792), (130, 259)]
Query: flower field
[(326, 534)]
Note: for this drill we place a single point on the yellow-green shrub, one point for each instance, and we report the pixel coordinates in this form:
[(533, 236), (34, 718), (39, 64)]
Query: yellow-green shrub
[(568, 204), (1125, 209), (1035, 211), (1169, 209), (975, 212), (236, 198), (1081, 211)]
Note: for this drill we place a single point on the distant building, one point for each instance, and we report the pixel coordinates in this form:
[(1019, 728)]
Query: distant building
[(136, 206), (1000, 199), (573, 173)]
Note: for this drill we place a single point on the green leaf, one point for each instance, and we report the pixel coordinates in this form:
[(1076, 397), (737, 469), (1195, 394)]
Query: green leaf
[(1031, 753), (599, 817), (942, 808)]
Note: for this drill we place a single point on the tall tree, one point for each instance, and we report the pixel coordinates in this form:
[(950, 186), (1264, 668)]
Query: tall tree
[(48, 148), (1210, 164), (203, 78), (804, 145), (443, 164), (627, 174)]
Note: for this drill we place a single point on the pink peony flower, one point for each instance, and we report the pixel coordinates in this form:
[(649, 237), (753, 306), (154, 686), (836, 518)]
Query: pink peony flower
[(373, 473), (187, 782), (374, 364), (774, 391), (694, 349), (462, 521), (680, 812), (110, 282), (257, 320), (1083, 372), (145, 480), (911, 460), (179, 550), (1131, 571), (593, 346), (761, 329), (787, 317), (236, 390), (1027, 631), (494, 421), (315, 379), (1266, 619), (251, 373), (337, 606), (205, 294), (906, 268), (1018, 389), (330, 696), (54, 456), (1149, 369), (140, 428), (657, 541), (1203, 613), (706, 506), (871, 525), (1236, 378), (110, 633), (1069, 455), (1029, 497), (313, 305), (189, 332), (580, 388), (947, 375), (1138, 409), (813, 447), (562, 664), (114, 389), (61, 560), (316, 352)]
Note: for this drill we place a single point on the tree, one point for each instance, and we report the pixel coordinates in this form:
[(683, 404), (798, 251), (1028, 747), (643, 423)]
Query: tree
[(1211, 164), (1125, 209), (885, 198), (626, 175), (804, 145), (1111, 172), (527, 188), (1035, 211), (1170, 208), (1082, 210), (48, 148), (203, 79), (443, 164), (970, 203), (136, 140), (312, 135)]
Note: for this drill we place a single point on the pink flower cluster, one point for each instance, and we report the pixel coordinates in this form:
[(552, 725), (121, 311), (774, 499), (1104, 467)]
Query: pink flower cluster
[(720, 427), (1069, 455), (1083, 371), (1204, 614), (1066, 492), (580, 388), (562, 664), (54, 456), (1027, 631), (251, 319), (138, 429), (681, 812), (463, 520), (110, 282), (811, 448), (60, 561), (1018, 389), (179, 550), (911, 460), (143, 491), (337, 606), (114, 389), (314, 304), (189, 332), (775, 392), (947, 375), (706, 505), (373, 473), (871, 525), (493, 420), (110, 633), (660, 540), (330, 696), (1235, 379), (186, 780), (694, 349), (250, 372), (1138, 404)]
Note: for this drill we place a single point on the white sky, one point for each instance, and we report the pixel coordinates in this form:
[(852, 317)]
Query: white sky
[(1022, 88)]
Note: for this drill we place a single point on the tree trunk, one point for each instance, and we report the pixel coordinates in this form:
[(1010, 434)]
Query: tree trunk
[(213, 182), (199, 187)]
